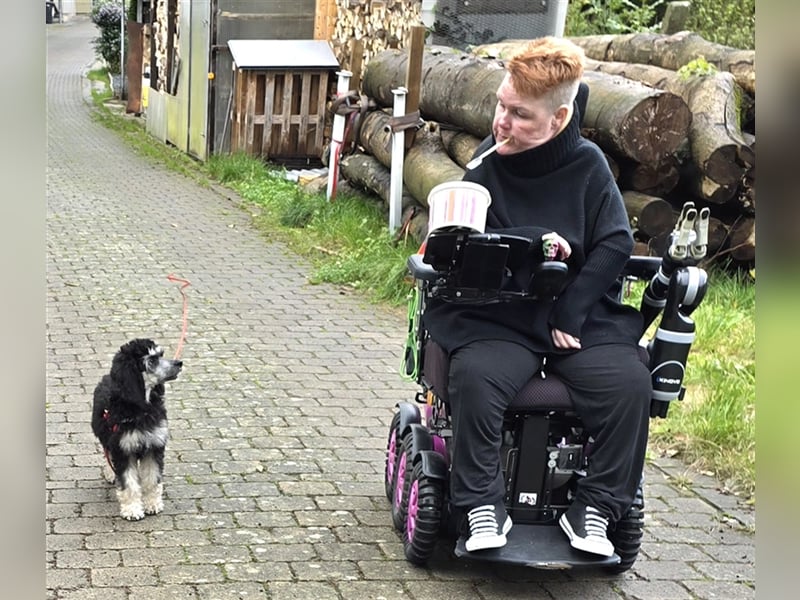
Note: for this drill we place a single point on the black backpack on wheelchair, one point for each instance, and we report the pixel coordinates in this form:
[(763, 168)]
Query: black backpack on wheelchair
[(545, 448)]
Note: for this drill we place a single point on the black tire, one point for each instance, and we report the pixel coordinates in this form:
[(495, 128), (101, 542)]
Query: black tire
[(392, 447), (424, 514), (627, 534), (402, 481)]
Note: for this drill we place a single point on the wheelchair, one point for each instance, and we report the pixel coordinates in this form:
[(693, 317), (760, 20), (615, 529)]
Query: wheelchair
[(545, 448)]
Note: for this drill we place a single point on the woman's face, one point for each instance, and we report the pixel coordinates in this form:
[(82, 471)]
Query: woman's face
[(527, 121)]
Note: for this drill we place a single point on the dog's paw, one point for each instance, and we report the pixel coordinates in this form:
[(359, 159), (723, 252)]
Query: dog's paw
[(108, 474), (132, 513), (153, 507)]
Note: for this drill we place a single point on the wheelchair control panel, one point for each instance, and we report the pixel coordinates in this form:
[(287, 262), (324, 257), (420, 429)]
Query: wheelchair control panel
[(463, 266)]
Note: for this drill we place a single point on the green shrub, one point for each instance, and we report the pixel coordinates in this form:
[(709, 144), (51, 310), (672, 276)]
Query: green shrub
[(107, 16), (590, 17), (728, 22), (725, 22)]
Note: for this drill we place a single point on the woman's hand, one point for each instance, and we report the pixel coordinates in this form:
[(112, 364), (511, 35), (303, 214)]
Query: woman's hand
[(564, 340), (554, 241)]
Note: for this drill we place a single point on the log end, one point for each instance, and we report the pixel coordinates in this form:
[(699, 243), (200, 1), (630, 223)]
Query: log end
[(656, 128)]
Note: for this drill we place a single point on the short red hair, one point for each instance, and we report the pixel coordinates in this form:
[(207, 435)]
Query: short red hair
[(547, 67)]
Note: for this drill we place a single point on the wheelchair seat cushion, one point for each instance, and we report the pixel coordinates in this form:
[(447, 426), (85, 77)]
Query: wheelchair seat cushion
[(539, 393)]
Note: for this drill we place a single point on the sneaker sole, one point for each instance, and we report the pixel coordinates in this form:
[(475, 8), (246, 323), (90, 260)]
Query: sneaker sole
[(486, 543), (507, 525), (580, 543)]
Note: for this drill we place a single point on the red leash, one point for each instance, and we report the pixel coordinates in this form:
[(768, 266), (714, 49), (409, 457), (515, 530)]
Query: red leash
[(185, 283)]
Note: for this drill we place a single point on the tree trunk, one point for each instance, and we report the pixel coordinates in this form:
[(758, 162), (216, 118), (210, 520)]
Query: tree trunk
[(426, 163), (651, 215), (629, 118), (633, 120), (457, 88), (375, 137), (743, 240), (672, 52), (657, 179), (460, 145), (718, 147)]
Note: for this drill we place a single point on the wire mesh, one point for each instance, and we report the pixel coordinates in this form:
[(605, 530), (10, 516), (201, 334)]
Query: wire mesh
[(464, 23)]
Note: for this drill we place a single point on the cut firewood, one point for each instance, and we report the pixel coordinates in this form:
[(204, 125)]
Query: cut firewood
[(672, 52), (426, 163), (457, 88), (633, 120), (718, 147), (628, 118), (460, 145), (651, 215), (742, 244), (657, 179)]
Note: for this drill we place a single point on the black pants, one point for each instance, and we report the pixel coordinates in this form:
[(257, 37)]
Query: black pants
[(610, 388)]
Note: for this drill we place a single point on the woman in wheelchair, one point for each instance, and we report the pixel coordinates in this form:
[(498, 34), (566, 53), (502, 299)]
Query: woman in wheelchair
[(548, 183)]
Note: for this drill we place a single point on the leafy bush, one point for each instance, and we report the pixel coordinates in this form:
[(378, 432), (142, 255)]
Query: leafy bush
[(107, 16), (728, 22), (589, 17)]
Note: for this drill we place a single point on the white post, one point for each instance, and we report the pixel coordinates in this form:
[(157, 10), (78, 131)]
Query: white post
[(398, 153), (337, 135)]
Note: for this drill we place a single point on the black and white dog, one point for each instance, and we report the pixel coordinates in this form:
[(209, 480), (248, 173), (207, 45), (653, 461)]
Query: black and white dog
[(130, 420)]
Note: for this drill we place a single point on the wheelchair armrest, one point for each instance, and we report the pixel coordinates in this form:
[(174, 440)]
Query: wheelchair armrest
[(642, 267), (421, 270), (548, 279)]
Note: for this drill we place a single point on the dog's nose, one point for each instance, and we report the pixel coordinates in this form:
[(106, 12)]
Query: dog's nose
[(179, 363)]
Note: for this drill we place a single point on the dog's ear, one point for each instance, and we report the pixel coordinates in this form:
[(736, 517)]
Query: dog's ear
[(126, 371)]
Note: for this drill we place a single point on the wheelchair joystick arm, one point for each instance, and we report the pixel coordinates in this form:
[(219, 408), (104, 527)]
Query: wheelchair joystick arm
[(669, 348), (688, 246)]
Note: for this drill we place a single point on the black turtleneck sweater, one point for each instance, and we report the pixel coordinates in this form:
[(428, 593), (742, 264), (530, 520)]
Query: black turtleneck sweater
[(566, 186)]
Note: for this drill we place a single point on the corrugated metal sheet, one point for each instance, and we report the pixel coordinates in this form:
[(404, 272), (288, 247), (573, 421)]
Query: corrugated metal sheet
[(282, 54)]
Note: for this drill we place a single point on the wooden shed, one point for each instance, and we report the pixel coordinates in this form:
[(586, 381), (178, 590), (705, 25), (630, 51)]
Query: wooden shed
[(280, 93)]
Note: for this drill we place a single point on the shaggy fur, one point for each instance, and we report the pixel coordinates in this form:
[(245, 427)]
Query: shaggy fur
[(130, 421)]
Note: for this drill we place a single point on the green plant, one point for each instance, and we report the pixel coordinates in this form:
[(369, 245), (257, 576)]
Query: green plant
[(728, 22), (697, 67), (589, 17), (107, 16), (714, 426)]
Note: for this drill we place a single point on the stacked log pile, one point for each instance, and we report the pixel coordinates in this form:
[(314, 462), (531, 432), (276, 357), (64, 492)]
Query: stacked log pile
[(377, 24), (669, 135)]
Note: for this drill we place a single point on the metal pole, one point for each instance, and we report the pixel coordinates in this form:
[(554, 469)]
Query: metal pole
[(122, 51), (398, 151), (60, 12), (337, 135)]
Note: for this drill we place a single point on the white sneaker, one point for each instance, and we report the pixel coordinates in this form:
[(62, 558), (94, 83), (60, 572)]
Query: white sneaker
[(484, 529)]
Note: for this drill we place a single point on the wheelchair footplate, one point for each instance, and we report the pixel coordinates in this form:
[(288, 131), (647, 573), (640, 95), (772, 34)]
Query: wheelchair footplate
[(537, 546)]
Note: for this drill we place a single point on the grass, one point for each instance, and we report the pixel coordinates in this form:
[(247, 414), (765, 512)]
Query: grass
[(713, 427), (348, 244)]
